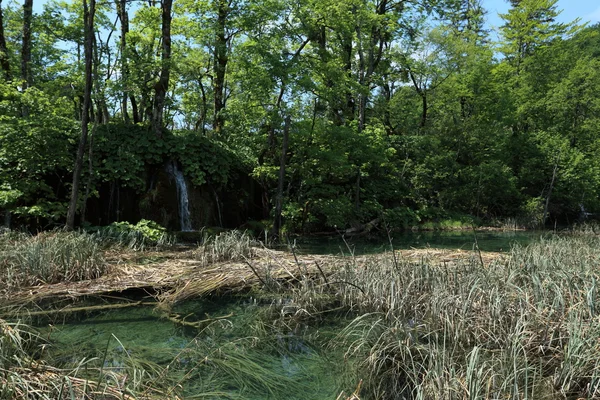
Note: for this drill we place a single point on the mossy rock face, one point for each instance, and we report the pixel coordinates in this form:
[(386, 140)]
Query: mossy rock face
[(194, 237), (160, 202), (228, 207), (198, 236)]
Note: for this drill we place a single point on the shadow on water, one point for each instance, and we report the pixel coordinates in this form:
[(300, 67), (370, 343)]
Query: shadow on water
[(463, 240)]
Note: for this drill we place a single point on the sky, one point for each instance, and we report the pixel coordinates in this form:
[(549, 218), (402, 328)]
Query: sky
[(587, 10)]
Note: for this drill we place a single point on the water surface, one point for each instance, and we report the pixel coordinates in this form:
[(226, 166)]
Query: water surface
[(464, 240), (239, 357)]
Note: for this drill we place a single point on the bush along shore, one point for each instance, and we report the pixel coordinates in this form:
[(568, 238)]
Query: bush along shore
[(418, 324)]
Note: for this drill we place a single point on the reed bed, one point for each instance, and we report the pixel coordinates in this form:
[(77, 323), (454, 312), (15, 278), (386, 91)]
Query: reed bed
[(50, 257), (226, 246), (525, 326), (427, 324)]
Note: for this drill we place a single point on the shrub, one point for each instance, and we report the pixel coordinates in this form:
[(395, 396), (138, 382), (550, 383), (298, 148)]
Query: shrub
[(139, 236)]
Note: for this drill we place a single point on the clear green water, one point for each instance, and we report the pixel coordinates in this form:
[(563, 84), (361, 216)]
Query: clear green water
[(240, 357), (465, 240), (244, 356)]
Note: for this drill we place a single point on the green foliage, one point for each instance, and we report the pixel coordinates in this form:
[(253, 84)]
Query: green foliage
[(139, 236), (35, 152), (207, 161), (395, 109), (123, 153)]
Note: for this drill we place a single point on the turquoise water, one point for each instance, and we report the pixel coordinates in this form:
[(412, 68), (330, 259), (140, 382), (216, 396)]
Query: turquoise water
[(465, 240), (239, 357), (248, 355)]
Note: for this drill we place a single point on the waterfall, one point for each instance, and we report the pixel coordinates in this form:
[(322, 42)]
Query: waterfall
[(182, 196), (583, 214)]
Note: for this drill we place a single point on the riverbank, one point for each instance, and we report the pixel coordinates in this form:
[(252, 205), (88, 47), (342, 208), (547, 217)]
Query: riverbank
[(417, 323), (176, 275)]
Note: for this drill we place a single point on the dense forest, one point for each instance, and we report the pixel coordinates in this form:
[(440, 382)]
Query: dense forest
[(303, 116)]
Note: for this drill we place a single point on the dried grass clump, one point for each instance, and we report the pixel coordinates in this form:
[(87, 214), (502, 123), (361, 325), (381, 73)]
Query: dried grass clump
[(49, 257), (226, 246)]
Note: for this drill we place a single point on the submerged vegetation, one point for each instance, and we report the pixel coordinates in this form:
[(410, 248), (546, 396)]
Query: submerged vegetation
[(518, 325)]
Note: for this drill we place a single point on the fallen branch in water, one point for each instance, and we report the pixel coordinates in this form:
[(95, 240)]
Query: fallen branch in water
[(176, 319)]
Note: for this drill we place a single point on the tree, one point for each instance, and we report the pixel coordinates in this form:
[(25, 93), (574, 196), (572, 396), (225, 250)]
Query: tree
[(26, 80), (161, 87), (121, 6), (88, 16), (4, 61), (529, 25)]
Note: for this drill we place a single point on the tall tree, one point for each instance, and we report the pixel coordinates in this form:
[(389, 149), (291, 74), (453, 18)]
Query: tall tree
[(161, 87), (88, 17), (528, 25), (220, 54), (124, 18), (26, 48), (4, 63)]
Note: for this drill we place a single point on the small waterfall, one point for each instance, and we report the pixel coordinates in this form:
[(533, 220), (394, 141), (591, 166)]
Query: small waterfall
[(583, 214), (185, 219)]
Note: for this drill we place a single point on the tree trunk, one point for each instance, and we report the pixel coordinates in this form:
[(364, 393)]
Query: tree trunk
[(26, 49), (88, 17), (423, 93), (124, 17), (201, 123), (134, 110), (4, 63), (279, 198), (220, 66), (547, 204), (368, 64), (424, 109), (161, 87)]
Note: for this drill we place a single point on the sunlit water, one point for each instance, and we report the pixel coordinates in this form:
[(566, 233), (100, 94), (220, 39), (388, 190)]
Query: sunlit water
[(240, 356), (247, 355)]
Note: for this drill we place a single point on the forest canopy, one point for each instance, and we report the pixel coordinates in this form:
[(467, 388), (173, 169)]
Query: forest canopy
[(308, 116)]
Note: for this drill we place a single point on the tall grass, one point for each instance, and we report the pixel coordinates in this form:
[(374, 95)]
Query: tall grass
[(49, 258), (226, 246), (525, 327)]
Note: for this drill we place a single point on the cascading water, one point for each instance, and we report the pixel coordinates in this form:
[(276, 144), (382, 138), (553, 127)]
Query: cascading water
[(583, 214), (185, 219)]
